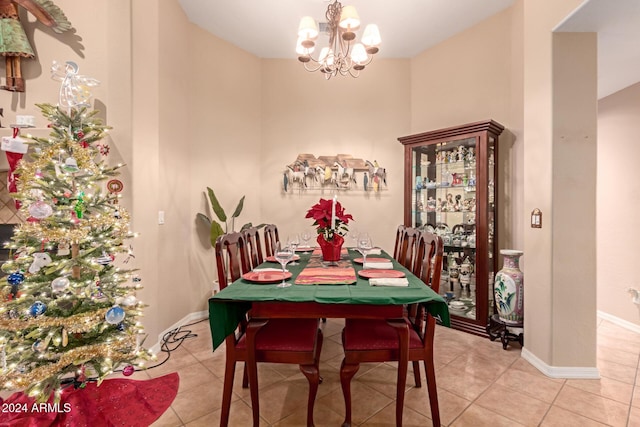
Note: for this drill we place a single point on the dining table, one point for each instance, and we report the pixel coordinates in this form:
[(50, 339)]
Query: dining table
[(323, 290)]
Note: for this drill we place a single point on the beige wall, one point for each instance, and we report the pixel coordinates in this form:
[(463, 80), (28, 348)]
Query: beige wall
[(573, 333), (543, 330), (224, 143), (618, 194), (304, 113)]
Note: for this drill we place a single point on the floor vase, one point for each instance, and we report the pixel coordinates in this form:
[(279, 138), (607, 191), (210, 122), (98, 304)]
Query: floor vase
[(509, 288)]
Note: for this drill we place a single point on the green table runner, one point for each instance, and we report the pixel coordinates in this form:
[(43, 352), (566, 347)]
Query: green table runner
[(229, 306)]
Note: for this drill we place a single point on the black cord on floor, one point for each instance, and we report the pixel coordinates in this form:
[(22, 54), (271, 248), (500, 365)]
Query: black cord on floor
[(172, 340)]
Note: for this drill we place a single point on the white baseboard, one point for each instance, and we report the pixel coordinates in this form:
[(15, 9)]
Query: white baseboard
[(560, 371), (619, 322), (189, 318)]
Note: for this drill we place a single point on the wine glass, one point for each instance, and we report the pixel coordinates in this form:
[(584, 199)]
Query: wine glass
[(283, 255), (294, 242), (364, 246), (305, 236)]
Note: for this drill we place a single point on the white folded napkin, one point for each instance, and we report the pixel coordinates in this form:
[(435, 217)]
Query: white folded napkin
[(259, 270), (389, 281), (375, 251), (379, 265)]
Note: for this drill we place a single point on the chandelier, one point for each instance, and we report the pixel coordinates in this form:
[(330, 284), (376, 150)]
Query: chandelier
[(342, 56)]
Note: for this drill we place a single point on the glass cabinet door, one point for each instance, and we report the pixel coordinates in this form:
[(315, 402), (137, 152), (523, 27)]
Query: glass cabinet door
[(445, 202)]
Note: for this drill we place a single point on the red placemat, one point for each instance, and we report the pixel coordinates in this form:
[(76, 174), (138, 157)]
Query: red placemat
[(326, 276)]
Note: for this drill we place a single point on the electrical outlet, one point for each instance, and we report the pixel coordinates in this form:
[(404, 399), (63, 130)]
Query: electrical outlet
[(160, 217)]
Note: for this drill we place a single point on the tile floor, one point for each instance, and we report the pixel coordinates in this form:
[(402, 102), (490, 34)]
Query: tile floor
[(476, 380)]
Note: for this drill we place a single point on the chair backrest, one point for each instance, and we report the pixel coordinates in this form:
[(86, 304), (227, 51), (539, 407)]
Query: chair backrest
[(409, 245), (398, 246), (231, 258), (270, 239), (428, 262), (429, 257), (254, 247)]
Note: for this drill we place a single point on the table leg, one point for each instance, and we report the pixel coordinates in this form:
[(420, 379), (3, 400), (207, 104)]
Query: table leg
[(253, 327), (403, 356), (347, 371)]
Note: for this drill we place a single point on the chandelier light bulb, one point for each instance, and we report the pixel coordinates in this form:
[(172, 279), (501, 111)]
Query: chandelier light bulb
[(359, 55), (302, 51), (371, 38), (308, 30), (349, 19)]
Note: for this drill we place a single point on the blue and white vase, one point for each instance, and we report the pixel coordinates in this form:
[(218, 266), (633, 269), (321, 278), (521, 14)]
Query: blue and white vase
[(509, 288)]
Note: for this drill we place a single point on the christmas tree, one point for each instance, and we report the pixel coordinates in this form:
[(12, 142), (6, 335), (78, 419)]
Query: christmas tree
[(68, 314)]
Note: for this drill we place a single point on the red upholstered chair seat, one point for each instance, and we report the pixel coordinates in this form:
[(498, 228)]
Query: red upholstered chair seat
[(285, 335), (360, 334)]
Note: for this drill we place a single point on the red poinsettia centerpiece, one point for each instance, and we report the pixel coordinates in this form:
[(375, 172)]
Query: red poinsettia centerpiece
[(323, 212)]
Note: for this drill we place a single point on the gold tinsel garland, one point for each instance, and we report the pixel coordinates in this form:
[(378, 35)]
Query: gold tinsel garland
[(83, 158), (79, 234), (76, 356), (77, 323)]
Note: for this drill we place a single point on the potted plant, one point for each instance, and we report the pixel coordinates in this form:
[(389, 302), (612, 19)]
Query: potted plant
[(215, 227)]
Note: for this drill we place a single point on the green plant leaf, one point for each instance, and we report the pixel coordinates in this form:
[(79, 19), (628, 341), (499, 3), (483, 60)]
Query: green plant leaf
[(249, 225), (205, 219), (238, 210), (215, 205), (215, 232)]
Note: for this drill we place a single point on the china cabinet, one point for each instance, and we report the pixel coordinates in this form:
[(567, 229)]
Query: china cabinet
[(450, 189)]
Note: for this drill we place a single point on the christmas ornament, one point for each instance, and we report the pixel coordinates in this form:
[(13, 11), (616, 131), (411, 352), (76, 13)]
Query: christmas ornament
[(60, 284), (114, 186), (39, 346), (114, 315), (121, 327), (70, 165), (15, 278), (40, 259), (74, 90), (13, 313), (74, 217), (136, 278), (104, 149), (63, 249), (40, 210), (79, 206), (37, 308), (129, 300), (104, 259), (65, 337), (128, 370)]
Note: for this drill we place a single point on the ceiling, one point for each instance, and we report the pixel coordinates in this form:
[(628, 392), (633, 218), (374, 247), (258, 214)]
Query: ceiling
[(408, 27)]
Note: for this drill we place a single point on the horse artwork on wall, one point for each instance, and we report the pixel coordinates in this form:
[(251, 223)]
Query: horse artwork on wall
[(339, 172)]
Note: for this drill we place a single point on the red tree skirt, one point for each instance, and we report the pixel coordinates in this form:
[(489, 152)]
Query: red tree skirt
[(117, 402)]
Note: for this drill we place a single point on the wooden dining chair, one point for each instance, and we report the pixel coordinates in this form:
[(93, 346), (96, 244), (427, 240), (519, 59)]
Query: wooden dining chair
[(398, 245), (270, 239), (254, 247), (408, 247), (292, 341), (376, 341)]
